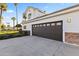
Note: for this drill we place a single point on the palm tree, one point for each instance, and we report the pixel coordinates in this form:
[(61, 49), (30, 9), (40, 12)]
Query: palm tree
[(3, 27), (1, 18), (15, 4), (3, 7), (24, 16), (13, 19)]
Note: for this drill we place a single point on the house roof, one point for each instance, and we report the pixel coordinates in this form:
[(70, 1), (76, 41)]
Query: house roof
[(24, 22), (59, 12), (62, 10), (35, 9)]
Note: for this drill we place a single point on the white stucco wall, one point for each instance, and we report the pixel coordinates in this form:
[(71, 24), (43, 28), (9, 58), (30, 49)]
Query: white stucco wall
[(23, 27), (73, 26), (35, 13)]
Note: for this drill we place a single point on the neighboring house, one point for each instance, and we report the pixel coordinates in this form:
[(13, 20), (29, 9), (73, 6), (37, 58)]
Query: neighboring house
[(31, 13), (18, 27), (62, 25), (8, 27)]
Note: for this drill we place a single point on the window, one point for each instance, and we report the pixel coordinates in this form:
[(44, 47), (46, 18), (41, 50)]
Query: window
[(48, 24), (33, 25), (52, 24), (37, 25), (40, 25), (59, 23), (44, 24), (29, 15), (24, 27)]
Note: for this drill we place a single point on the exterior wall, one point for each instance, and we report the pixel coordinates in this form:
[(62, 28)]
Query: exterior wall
[(72, 29), (23, 27), (35, 13), (70, 24)]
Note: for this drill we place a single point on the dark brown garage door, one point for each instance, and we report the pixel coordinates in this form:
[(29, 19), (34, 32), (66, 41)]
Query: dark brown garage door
[(51, 30)]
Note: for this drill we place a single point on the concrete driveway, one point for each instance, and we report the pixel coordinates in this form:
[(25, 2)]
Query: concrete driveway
[(36, 46)]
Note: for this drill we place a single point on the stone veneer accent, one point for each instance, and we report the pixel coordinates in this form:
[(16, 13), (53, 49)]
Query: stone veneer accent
[(72, 37)]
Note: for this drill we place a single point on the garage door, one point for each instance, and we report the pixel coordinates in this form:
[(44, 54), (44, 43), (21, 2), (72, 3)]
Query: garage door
[(51, 30)]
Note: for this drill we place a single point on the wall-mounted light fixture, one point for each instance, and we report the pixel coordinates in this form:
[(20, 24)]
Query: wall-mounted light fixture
[(68, 20)]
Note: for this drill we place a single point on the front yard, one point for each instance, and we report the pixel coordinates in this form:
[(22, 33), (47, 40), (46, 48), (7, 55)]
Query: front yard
[(8, 32)]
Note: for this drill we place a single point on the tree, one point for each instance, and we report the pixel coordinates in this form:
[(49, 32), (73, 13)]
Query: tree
[(18, 25), (13, 19), (15, 4), (3, 7), (1, 18), (3, 27), (24, 16)]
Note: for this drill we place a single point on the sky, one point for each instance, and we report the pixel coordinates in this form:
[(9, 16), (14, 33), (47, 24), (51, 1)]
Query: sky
[(48, 7)]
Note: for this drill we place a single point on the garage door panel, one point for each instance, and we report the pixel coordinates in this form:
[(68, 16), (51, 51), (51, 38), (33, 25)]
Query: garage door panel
[(51, 30)]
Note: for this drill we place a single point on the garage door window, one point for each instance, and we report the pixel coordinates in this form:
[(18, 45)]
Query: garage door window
[(58, 23), (44, 24), (33, 25), (41, 25), (53, 24), (48, 24)]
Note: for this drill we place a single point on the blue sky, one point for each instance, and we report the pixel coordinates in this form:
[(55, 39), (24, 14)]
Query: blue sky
[(48, 7)]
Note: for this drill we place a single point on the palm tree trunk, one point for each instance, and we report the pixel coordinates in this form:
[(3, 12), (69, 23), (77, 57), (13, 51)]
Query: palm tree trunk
[(0, 18), (13, 24), (16, 17)]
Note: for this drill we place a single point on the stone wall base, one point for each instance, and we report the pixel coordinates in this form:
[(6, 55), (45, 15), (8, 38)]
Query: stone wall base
[(72, 37)]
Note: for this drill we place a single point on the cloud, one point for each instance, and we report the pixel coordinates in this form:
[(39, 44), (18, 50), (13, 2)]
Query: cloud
[(46, 7), (10, 11), (6, 17)]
